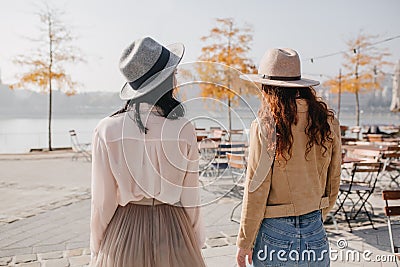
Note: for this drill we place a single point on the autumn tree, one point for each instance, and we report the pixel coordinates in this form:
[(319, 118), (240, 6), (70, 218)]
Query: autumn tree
[(228, 45), (46, 63), (362, 68)]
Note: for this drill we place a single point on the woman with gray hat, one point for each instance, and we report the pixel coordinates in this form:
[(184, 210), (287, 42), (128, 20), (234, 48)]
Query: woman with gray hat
[(293, 171), (145, 197)]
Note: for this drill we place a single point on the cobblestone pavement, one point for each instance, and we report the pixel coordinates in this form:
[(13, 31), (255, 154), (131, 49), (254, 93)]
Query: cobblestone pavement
[(55, 230), (60, 237)]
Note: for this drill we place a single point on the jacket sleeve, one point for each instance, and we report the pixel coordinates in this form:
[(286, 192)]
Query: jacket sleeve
[(190, 197), (257, 186), (104, 194), (334, 169)]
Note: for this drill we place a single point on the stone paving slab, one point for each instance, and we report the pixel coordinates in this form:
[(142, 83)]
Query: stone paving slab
[(57, 232), (220, 244)]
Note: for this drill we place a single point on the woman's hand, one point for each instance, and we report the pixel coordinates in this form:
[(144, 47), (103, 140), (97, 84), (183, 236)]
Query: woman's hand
[(241, 256)]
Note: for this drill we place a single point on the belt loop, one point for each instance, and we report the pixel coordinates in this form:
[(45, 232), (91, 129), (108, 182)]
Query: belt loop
[(153, 201)]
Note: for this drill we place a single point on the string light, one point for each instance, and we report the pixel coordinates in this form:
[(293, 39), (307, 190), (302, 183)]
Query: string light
[(312, 59)]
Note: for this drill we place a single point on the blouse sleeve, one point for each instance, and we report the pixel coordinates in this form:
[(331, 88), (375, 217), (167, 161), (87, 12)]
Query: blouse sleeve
[(190, 197), (104, 194)]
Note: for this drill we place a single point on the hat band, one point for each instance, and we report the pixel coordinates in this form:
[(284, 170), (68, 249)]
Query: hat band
[(281, 78), (158, 66)]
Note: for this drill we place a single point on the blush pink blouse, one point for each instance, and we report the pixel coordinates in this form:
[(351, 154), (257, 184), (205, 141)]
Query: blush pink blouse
[(128, 165)]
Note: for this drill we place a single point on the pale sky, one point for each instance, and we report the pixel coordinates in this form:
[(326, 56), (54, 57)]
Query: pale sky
[(105, 28)]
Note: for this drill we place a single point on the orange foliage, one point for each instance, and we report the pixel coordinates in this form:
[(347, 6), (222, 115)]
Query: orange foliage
[(47, 61), (228, 45), (362, 66)]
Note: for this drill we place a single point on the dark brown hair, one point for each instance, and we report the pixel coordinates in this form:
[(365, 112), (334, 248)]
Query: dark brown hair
[(162, 98), (279, 105)]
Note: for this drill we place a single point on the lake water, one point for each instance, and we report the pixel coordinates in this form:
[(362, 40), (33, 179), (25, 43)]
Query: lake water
[(19, 135)]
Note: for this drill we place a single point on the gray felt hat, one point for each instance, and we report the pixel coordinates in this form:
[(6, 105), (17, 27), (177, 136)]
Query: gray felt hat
[(145, 64), (280, 67)]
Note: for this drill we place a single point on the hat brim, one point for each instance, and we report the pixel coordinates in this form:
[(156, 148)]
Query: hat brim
[(257, 78), (176, 53)]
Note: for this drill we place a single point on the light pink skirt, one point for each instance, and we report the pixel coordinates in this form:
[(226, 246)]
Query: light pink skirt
[(149, 236)]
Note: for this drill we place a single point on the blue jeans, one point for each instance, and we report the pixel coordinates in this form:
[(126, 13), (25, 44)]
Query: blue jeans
[(292, 241)]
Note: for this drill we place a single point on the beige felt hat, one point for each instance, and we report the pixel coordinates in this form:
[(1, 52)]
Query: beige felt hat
[(280, 67)]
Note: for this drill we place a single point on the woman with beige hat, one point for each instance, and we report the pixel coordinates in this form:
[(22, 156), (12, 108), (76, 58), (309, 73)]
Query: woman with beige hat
[(145, 198), (293, 177)]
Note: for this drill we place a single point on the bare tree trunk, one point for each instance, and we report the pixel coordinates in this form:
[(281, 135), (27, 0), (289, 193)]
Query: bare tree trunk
[(229, 120), (357, 109), (50, 111), (229, 86), (50, 77), (357, 112), (356, 91), (339, 93)]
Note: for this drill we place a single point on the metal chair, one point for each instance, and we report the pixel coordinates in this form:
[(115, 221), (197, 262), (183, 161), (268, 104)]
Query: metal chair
[(220, 161), (80, 149), (392, 211), (208, 173), (358, 190), (366, 155), (237, 165), (391, 158)]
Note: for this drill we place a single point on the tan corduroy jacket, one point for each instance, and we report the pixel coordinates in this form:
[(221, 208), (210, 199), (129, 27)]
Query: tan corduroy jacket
[(301, 185)]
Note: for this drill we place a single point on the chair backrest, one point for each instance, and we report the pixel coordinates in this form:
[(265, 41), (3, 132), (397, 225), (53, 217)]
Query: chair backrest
[(237, 131), (230, 148), (212, 128), (392, 152), (391, 195), (391, 211), (371, 171), (368, 154), (370, 167), (72, 133), (237, 161), (201, 137), (217, 133), (74, 138), (200, 129)]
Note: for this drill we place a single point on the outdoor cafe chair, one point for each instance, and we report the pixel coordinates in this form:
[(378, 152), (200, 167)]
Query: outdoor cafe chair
[(357, 191), (207, 152), (213, 128), (216, 135), (213, 159), (367, 154), (364, 155), (220, 160), (391, 158), (390, 212), (80, 149), (237, 164)]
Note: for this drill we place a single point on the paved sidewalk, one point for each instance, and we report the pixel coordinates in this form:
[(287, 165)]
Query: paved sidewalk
[(45, 209), (60, 237)]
